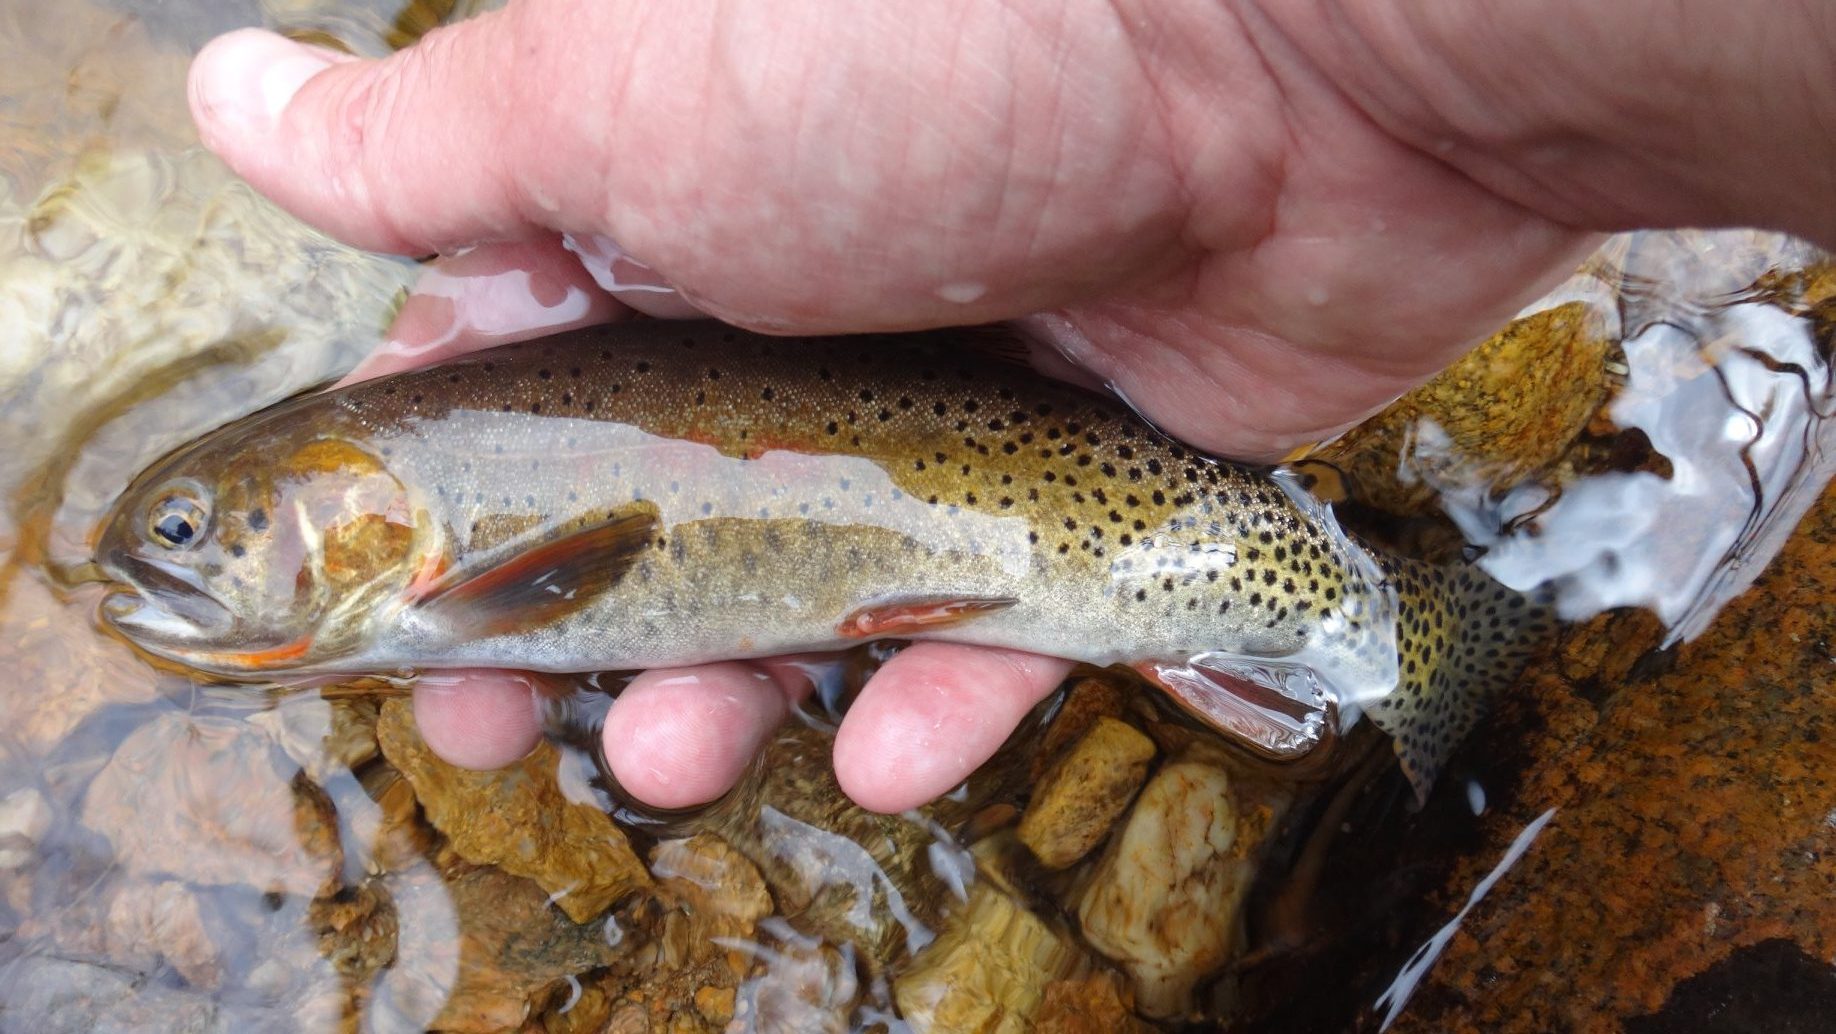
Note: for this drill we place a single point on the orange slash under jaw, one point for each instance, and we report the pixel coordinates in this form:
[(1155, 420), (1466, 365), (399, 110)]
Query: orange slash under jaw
[(254, 660)]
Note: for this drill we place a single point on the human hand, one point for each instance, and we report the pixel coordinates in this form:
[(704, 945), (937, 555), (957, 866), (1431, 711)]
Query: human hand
[(1259, 223)]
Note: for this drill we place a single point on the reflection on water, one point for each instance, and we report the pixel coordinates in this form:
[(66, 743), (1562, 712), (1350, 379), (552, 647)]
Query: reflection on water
[(1729, 385), (178, 856)]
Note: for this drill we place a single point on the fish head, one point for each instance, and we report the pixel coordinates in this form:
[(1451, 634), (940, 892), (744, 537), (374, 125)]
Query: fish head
[(263, 549)]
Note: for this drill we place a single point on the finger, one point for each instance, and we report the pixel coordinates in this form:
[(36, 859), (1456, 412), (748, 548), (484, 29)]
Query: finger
[(345, 143), (788, 171), (680, 737), (931, 716), (491, 295), (477, 718)]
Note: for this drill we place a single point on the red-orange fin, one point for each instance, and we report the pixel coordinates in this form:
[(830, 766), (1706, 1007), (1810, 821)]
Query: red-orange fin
[(913, 614), (1257, 717), (541, 583)]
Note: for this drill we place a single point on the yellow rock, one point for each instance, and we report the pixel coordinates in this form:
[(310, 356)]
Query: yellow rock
[(715, 1004), (1164, 900), (1080, 797), (1088, 699), (1507, 411), (518, 818), (988, 972)]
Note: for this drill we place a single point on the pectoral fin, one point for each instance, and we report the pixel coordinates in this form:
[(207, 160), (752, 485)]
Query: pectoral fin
[(913, 614), (534, 586)]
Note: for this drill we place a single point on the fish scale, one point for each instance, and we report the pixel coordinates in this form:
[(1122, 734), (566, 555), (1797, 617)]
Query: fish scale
[(772, 495)]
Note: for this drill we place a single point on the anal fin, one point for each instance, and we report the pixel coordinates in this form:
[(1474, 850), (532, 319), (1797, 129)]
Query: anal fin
[(541, 583), (1248, 702)]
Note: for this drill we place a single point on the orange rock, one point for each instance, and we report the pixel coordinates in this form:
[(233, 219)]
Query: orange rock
[(518, 818), (1694, 816)]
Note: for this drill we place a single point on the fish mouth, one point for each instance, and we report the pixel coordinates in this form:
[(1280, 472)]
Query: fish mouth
[(161, 604)]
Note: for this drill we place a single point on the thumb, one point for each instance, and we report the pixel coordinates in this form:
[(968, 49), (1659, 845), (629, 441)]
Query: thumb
[(787, 166), (366, 150)]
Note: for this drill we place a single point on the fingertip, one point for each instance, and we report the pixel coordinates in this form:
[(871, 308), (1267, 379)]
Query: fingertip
[(241, 82), (477, 718), (402, 154), (933, 714), (680, 738)]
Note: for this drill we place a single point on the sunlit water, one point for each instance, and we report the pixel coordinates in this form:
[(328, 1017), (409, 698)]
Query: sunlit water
[(180, 856)]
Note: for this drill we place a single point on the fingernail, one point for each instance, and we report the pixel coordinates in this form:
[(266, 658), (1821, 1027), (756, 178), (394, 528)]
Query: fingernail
[(242, 81)]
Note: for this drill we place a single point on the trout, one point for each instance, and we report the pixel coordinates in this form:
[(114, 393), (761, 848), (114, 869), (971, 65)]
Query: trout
[(657, 494)]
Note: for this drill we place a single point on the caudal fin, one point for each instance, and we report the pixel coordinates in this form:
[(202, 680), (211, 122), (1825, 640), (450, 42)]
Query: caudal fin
[(1461, 637)]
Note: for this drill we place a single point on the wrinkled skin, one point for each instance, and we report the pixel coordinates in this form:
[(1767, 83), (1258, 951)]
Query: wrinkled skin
[(1205, 204)]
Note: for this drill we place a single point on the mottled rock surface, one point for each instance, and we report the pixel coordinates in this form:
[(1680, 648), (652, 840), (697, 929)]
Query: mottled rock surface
[(482, 951), (518, 818), (1164, 900), (987, 973), (1082, 795), (1695, 814), (210, 800), (1505, 412)]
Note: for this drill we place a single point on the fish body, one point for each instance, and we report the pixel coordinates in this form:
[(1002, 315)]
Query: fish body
[(657, 494)]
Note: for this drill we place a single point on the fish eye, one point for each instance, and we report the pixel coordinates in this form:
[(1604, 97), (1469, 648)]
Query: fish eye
[(179, 519)]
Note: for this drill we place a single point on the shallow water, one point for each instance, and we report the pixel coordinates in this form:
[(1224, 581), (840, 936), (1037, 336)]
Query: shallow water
[(176, 855)]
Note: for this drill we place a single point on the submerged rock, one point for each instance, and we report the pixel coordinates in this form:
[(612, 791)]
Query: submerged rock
[(1164, 901), (324, 736), (711, 899), (164, 920), (49, 995), (1505, 412), (480, 951), (25, 818), (208, 800), (837, 871), (1081, 796), (518, 818), (988, 972)]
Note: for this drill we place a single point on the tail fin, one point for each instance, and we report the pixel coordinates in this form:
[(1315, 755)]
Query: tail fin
[(1460, 638)]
